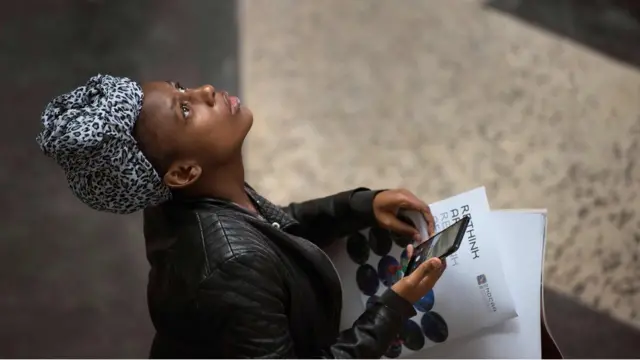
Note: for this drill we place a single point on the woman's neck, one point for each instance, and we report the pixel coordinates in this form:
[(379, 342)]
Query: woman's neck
[(226, 182)]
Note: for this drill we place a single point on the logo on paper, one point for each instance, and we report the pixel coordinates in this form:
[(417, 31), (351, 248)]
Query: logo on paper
[(483, 285), (482, 279)]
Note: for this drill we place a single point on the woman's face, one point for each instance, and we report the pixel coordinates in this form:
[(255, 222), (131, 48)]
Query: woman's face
[(200, 126)]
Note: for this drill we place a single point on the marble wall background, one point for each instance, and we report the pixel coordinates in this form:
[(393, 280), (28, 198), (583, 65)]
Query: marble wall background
[(443, 96)]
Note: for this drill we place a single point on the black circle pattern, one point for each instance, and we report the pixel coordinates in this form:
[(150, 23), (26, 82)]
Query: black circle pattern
[(434, 327), (380, 241), (411, 336), (358, 248), (367, 280)]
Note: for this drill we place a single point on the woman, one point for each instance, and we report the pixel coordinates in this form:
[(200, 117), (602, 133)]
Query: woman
[(232, 275)]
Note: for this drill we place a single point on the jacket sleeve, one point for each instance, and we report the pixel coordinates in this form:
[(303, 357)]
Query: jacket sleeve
[(325, 219), (246, 300)]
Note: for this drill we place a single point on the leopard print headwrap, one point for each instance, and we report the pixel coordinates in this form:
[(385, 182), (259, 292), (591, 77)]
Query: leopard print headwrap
[(89, 133)]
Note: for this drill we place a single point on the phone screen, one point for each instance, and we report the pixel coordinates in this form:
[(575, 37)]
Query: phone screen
[(438, 245)]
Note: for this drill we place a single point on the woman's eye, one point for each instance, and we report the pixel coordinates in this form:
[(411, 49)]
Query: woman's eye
[(180, 87), (185, 110)]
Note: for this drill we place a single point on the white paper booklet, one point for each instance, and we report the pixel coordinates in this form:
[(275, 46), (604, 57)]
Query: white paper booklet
[(521, 239), (471, 295)]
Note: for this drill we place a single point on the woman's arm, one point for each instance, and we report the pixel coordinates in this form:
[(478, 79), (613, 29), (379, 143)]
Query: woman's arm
[(245, 300), (335, 216)]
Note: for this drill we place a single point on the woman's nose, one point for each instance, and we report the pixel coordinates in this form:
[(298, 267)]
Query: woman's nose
[(206, 94)]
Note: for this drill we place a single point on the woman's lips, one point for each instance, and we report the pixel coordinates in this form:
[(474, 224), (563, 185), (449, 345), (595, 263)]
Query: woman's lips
[(234, 104)]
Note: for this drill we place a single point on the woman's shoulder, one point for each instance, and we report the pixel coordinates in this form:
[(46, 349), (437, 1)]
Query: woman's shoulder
[(219, 232)]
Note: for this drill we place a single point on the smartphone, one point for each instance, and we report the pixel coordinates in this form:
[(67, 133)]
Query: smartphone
[(440, 245)]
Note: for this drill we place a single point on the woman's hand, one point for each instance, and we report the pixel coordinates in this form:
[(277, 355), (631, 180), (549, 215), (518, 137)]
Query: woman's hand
[(413, 287), (385, 208)]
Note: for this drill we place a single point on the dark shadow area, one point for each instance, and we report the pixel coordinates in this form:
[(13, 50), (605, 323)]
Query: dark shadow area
[(611, 27), (73, 281), (582, 333)]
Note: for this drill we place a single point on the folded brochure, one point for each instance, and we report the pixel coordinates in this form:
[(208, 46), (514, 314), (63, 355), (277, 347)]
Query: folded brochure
[(471, 295)]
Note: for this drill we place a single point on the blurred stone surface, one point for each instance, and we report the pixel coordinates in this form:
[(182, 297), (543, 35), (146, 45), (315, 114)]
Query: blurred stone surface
[(443, 96)]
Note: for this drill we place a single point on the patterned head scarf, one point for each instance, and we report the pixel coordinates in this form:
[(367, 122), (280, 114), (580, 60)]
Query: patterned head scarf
[(89, 133)]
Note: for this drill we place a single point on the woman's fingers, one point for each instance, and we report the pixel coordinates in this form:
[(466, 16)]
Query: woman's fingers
[(398, 226), (431, 223), (409, 251), (426, 269), (411, 202), (420, 281), (432, 274)]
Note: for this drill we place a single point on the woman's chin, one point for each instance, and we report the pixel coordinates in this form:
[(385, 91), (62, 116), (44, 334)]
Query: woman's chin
[(246, 117), (245, 121)]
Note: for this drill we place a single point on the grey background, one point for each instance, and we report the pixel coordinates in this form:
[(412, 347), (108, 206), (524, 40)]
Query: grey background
[(72, 280)]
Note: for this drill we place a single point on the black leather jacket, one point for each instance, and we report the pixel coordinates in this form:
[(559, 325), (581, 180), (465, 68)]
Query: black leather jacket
[(225, 283)]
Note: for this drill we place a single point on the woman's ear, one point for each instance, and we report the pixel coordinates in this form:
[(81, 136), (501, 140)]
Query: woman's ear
[(182, 174)]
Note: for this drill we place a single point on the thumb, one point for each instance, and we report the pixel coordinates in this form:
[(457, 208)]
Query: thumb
[(409, 254), (433, 276), (425, 270), (409, 249)]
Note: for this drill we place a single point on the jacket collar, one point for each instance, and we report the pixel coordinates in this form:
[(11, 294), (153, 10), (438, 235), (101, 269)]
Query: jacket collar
[(271, 212)]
